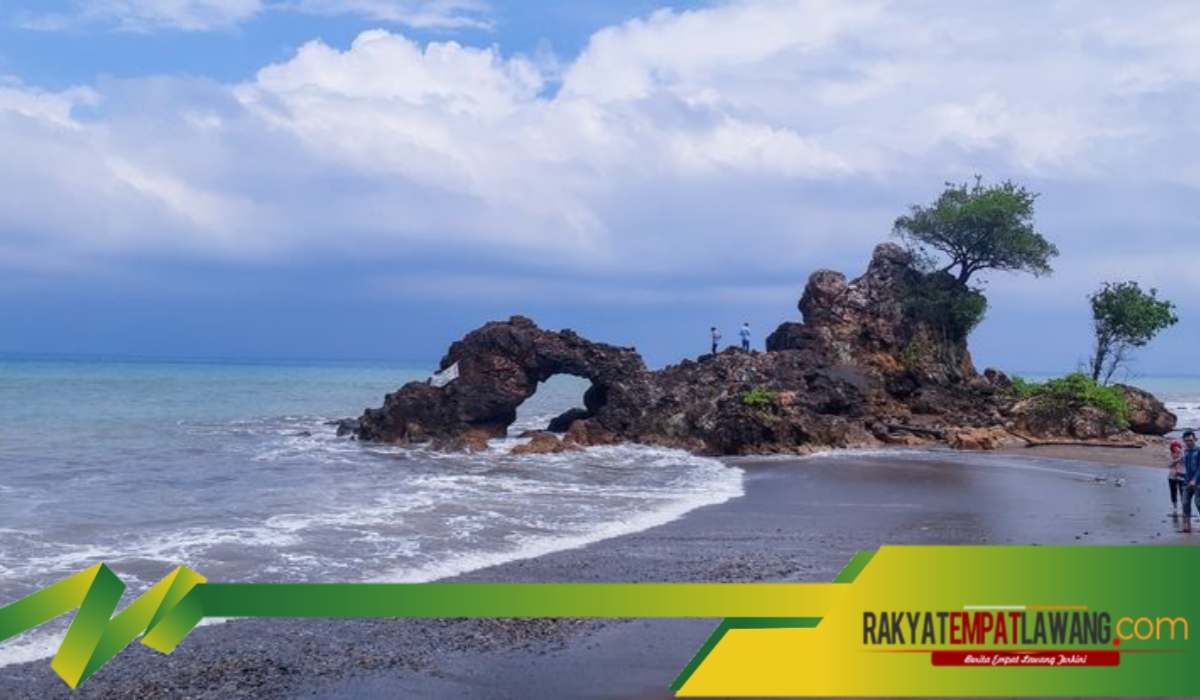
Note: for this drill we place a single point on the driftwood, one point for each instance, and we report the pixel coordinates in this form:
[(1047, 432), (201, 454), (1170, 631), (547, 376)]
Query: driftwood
[(1033, 442)]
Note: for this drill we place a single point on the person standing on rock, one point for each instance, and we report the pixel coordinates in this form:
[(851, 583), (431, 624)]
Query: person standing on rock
[(745, 333), (1191, 466), (716, 338)]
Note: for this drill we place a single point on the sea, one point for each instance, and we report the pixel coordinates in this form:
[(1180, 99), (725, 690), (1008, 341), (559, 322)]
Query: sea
[(235, 470)]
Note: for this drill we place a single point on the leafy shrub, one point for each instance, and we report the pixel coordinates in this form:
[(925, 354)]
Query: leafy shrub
[(937, 301), (1076, 389), (1024, 388), (758, 398)]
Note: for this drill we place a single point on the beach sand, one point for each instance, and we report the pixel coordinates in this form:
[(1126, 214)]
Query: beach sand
[(800, 520)]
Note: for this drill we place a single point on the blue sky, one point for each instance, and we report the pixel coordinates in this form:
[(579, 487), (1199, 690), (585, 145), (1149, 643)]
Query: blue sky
[(373, 178)]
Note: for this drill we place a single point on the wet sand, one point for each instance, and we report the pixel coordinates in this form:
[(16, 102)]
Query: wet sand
[(1150, 456), (800, 520)]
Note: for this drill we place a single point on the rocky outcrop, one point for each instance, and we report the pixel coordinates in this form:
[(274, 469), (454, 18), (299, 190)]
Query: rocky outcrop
[(1079, 422), (869, 323), (1147, 415), (498, 367), (562, 423), (860, 368), (981, 439), (541, 443), (744, 403)]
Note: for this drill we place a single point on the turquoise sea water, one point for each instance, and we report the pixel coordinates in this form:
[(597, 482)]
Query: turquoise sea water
[(233, 470)]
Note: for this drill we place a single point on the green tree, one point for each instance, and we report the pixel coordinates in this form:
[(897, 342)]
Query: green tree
[(978, 228), (1125, 318)]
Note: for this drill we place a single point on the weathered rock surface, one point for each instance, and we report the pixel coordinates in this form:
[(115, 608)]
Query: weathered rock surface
[(563, 422), (1147, 415), (499, 367), (859, 370), (865, 323), (542, 443)]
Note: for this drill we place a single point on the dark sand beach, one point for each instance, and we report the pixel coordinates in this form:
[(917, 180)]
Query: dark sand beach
[(800, 520)]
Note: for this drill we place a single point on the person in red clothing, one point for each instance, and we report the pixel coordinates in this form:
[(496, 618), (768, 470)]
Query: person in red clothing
[(1175, 473)]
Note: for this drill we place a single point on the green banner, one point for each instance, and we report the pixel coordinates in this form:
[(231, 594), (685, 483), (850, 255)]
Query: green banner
[(905, 621), (172, 608)]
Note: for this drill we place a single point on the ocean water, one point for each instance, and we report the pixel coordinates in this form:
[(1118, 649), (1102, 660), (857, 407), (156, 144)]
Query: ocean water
[(232, 469)]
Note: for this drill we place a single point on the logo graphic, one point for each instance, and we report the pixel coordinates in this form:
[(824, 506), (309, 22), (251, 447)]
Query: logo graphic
[(1081, 632), (166, 613)]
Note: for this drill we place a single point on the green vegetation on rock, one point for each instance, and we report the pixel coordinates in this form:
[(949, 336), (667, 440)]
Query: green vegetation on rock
[(954, 309), (1074, 390), (758, 398), (969, 229)]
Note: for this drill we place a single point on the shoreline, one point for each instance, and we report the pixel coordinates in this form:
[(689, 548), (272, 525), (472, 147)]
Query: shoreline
[(799, 520)]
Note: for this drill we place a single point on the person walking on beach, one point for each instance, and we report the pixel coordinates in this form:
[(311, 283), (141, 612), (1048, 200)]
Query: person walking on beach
[(716, 338), (1175, 476), (1191, 467), (745, 333)]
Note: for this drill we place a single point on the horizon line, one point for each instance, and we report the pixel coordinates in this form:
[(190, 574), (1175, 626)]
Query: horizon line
[(407, 363)]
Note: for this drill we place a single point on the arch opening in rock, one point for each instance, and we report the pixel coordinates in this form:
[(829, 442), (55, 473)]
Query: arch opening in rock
[(557, 402)]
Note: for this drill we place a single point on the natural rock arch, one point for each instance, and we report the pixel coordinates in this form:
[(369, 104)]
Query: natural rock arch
[(499, 366)]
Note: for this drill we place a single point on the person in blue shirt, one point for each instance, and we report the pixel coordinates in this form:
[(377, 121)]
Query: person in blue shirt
[(745, 333), (1191, 473), (716, 338)]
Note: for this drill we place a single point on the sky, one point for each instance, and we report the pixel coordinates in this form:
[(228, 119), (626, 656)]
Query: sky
[(371, 179)]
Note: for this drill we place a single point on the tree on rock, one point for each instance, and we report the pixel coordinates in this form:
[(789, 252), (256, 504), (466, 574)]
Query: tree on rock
[(978, 228), (1125, 318), (969, 229)]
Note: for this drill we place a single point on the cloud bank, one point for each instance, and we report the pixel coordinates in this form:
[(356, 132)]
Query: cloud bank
[(748, 140)]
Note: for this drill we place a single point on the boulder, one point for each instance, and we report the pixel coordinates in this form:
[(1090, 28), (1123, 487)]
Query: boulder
[(1081, 422), (997, 378), (466, 441), (346, 426), (562, 423), (981, 439), (544, 443), (1147, 415), (586, 433)]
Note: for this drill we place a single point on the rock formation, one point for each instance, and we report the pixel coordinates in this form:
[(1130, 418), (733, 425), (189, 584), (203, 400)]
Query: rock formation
[(860, 369), (499, 366), (866, 323)]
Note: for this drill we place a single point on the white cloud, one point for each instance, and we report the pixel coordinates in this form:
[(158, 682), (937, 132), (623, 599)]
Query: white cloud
[(40, 105), (219, 15), (752, 135), (427, 14), (681, 52)]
